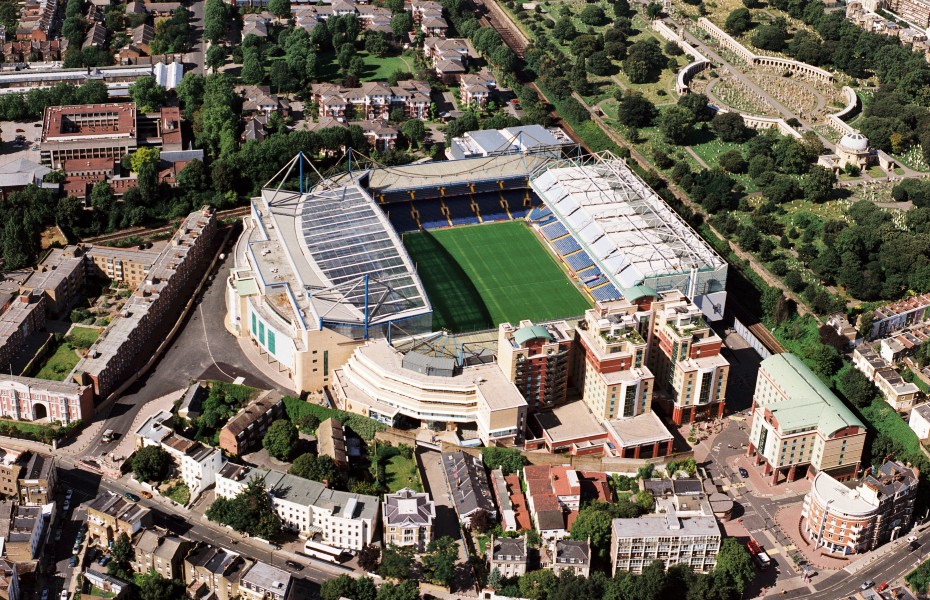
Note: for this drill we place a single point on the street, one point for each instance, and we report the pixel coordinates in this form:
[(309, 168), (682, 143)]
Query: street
[(202, 350)]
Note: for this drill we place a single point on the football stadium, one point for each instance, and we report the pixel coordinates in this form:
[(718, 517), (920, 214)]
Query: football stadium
[(459, 245)]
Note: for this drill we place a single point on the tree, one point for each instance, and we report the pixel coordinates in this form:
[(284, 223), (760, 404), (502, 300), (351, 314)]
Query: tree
[(249, 512), (635, 110), (481, 521), (214, 20), (439, 561), (818, 183), (395, 563), (122, 554), (151, 464), (340, 587), (216, 57), (510, 460), (281, 439), (644, 61), (599, 63), (730, 127), (369, 556), (675, 124), (280, 76), (738, 22), (857, 387), (775, 306), (564, 30), (252, 70), (536, 585), (592, 15), (147, 94), (866, 320), (280, 8), (824, 360), (732, 161), (377, 43), (316, 468), (593, 522), (401, 23), (697, 104), (408, 590), (415, 131), (771, 36), (653, 10), (734, 561), (153, 586), (144, 158)]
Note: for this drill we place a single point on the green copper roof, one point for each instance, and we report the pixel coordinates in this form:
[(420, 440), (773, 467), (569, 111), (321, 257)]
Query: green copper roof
[(525, 334), (639, 291), (246, 287), (809, 401)]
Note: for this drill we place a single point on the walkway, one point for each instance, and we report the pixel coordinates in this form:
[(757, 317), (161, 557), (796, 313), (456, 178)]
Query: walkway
[(789, 520)]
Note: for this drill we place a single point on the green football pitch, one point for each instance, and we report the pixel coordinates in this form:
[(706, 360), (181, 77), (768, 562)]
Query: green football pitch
[(479, 276)]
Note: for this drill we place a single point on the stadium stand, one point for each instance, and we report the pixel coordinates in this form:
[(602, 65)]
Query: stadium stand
[(578, 261), (566, 245), (554, 231), (490, 206), (605, 293), (460, 211), (539, 213), (401, 217), (431, 216)]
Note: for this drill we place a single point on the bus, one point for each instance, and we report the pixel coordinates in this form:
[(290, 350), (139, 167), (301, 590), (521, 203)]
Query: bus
[(324, 552), (758, 554)]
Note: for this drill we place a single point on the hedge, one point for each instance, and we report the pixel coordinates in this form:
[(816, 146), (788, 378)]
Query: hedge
[(366, 428)]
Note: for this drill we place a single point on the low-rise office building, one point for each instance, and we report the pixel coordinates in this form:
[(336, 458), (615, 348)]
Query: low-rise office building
[(341, 519), (799, 426), (110, 515), (408, 519), (636, 543), (851, 521), (246, 430)]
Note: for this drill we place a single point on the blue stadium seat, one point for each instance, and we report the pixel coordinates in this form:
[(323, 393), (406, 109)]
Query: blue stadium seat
[(578, 260), (566, 245), (400, 217), (605, 293), (431, 216), (599, 280), (554, 231), (540, 213), (460, 211)]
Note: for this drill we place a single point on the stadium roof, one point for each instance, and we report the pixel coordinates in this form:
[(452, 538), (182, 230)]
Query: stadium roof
[(345, 255), (628, 230)]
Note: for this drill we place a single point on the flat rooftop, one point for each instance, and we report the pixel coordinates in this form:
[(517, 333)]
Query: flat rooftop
[(667, 525), (646, 428), (89, 121), (569, 422)]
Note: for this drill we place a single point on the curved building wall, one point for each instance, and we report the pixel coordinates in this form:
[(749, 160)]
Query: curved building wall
[(837, 518)]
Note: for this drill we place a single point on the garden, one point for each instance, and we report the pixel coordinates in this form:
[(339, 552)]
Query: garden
[(68, 350)]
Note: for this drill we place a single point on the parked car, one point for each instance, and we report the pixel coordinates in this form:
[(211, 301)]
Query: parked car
[(64, 595), (131, 496), (66, 506), (20, 131), (73, 561), (45, 594), (68, 494), (743, 473), (882, 587), (866, 584), (294, 565), (145, 494)]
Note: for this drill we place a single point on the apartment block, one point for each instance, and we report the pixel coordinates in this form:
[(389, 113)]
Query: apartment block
[(11, 465), (22, 530), (536, 358), (846, 521), (341, 519), (152, 309), (61, 276), (37, 481), (246, 430), (160, 551), (636, 543), (21, 315), (799, 427), (197, 463), (408, 519), (126, 266), (30, 399), (109, 515), (900, 394), (372, 100)]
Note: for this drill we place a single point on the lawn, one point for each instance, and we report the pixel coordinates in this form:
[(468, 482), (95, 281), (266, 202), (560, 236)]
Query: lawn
[(480, 276), (62, 361), (401, 472), (180, 494), (376, 69)]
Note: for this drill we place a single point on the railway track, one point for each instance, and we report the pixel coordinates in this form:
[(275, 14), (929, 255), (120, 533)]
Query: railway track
[(148, 231)]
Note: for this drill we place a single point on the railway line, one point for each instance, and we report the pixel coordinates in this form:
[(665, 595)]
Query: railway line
[(148, 231)]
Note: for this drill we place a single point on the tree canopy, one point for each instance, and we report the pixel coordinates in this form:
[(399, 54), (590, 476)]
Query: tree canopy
[(281, 440), (151, 464)]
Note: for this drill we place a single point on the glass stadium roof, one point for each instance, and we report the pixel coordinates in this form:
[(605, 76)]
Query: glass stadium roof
[(346, 238)]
